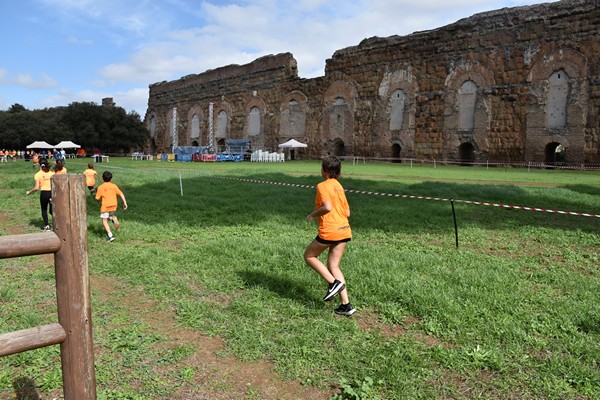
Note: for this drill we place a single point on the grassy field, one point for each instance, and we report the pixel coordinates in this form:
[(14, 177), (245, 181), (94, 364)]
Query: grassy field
[(205, 295)]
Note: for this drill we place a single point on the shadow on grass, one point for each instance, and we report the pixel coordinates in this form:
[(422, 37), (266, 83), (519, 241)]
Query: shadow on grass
[(38, 223), (25, 389), (229, 201), (283, 287), (584, 189)]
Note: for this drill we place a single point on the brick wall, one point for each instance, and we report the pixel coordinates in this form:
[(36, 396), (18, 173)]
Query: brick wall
[(509, 55)]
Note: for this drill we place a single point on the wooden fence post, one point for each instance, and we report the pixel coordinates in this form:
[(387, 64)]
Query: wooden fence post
[(73, 286)]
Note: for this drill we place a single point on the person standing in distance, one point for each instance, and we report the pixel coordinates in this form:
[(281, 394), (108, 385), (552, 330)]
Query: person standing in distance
[(332, 211)]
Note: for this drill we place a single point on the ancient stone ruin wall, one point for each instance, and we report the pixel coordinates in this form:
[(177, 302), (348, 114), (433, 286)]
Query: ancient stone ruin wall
[(503, 86)]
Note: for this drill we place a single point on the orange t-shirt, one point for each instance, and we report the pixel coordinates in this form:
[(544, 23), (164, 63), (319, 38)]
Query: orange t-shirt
[(90, 177), (334, 225), (44, 179), (63, 171), (108, 192)]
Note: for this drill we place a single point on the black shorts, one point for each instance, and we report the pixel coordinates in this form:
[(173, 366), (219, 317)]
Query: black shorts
[(323, 241)]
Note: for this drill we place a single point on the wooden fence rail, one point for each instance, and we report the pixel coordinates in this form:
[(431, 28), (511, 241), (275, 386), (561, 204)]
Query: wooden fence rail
[(73, 332)]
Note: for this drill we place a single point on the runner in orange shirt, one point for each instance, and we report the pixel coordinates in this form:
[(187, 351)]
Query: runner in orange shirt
[(90, 177), (107, 193), (332, 211)]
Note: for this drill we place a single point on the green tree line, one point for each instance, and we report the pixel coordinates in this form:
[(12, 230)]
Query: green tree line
[(110, 129)]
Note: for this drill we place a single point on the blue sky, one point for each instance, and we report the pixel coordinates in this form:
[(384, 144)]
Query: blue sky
[(55, 52)]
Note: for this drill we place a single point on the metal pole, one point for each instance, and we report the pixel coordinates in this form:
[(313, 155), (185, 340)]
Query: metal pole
[(180, 185), (455, 226)]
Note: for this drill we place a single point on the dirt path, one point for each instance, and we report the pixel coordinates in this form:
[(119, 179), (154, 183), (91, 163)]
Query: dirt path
[(216, 376)]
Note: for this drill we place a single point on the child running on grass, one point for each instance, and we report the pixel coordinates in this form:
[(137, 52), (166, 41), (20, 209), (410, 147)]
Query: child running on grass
[(107, 193), (332, 211), (90, 178), (42, 183), (59, 168)]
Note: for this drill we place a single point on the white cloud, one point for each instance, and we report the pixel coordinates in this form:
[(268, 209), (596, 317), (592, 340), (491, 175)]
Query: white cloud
[(139, 17), (130, 99), (133, 99), (78, 41), (143, 42), (27, 81)]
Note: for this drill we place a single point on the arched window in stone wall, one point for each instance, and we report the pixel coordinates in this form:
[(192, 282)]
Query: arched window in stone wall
[(337, 118), (222, 120), (558, 93), (398, 108), (293, 120), (468, 112), (254, 123), (558, 107), (195, 126), (467, 99)]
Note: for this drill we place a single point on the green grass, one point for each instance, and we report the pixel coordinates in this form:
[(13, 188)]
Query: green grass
[(512, 313)]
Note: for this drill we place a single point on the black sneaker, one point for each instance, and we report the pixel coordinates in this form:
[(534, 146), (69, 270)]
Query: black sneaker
[(345, 309), (333, 289)]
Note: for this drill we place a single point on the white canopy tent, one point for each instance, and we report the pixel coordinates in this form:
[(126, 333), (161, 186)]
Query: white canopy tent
[(292, 143), (40, 145), (67, 144)]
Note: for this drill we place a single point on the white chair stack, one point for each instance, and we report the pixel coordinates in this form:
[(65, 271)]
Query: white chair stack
[(265, 156)]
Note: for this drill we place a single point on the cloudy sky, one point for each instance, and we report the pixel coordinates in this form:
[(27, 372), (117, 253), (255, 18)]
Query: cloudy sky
[(55, 52)]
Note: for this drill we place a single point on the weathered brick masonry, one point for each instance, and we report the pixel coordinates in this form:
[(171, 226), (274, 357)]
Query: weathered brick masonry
[(505, 86)]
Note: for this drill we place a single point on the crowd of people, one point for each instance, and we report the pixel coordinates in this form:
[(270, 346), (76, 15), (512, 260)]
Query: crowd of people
[(14, 155)]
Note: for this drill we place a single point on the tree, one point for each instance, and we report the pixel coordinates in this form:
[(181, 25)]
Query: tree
[(111, 129)]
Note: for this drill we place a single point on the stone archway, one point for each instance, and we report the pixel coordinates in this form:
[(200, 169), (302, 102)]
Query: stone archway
[(336, 147), (221, 145), (466, 153), (396, 151), (468, 108), (152, 146), (550, 154)]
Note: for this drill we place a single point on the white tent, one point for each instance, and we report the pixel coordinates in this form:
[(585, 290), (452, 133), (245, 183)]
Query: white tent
[(293, 143), (40, 145), (67, 144)]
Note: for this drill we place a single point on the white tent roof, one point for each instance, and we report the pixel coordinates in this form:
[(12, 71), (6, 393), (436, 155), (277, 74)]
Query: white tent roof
[(293, 143), (67, 144), (40, 145)]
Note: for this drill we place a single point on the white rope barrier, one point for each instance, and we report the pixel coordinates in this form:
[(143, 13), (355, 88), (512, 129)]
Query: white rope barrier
[(406, 196)]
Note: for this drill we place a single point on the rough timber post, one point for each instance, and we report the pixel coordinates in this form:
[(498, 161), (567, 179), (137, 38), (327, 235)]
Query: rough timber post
[(73, 286)]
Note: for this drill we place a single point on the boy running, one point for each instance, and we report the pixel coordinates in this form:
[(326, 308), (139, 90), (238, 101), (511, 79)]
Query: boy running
[(107, 193)]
